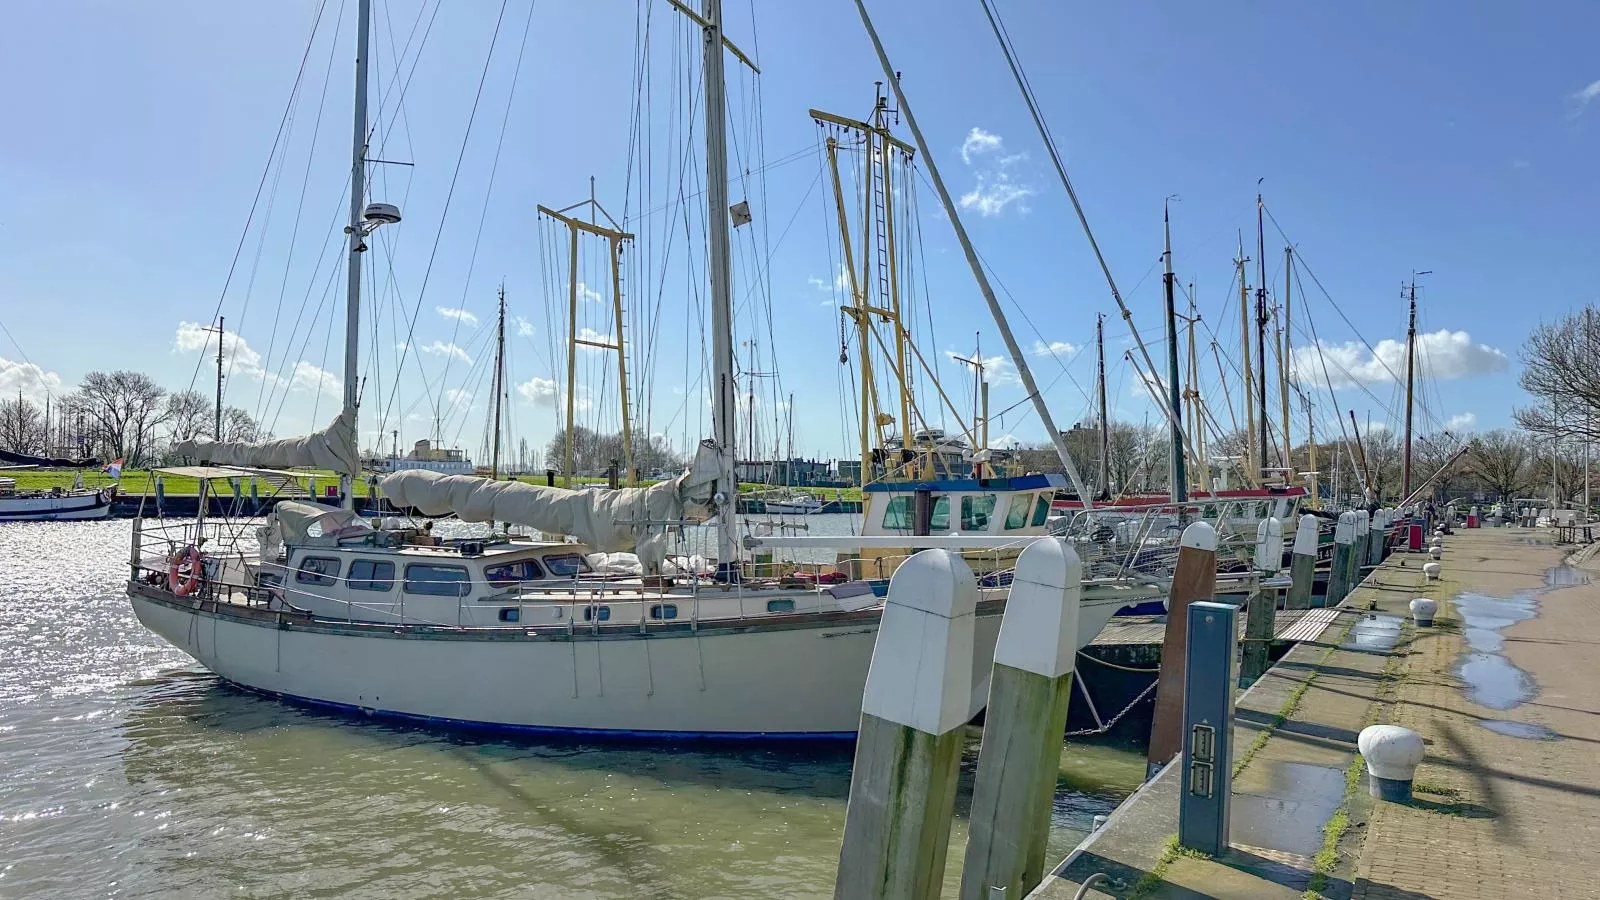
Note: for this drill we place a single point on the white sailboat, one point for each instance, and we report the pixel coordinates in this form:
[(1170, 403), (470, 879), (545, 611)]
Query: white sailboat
[(523, 636)]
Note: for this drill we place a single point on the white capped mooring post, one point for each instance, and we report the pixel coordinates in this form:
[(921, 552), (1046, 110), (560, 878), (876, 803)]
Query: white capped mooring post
[(1261, 615), (908, 751), (1422, 611), (1392, 754), (1026, 717), (1303, 563), (1431, 571), (1363, 537), (1193, 579), (1344, 535), (1379, 538)]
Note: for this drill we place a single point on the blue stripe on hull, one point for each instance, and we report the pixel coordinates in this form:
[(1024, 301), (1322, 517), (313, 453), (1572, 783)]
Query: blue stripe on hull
[(608, 734)]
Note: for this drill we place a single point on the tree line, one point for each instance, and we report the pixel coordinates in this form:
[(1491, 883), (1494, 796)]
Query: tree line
[(594, 451), (118, 415)]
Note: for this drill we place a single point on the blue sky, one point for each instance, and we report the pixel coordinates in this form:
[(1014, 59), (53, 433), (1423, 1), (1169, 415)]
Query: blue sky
[(1452, 137)]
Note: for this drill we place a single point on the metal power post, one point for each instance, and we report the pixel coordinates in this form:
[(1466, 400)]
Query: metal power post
[(1207, 773)]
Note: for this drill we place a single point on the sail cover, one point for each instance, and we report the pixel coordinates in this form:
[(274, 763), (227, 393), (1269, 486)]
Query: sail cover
[(630, 519), (47, 462), (333, 448)]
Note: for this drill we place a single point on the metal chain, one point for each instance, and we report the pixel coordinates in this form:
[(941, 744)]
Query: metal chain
[(1116, 718)]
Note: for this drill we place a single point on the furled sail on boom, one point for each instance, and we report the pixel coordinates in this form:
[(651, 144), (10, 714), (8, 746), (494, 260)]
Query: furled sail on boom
[(333, 448)]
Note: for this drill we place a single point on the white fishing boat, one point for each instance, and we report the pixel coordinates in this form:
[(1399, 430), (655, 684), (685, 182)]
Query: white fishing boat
[(56, 504), (794, 505)]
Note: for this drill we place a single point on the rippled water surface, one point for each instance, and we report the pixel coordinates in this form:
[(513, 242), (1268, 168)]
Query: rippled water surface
[(130, 771)]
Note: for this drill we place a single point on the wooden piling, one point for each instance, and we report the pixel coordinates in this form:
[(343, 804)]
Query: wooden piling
[(1358, 555), (908, 752), (1303, 564), (1378, 539), (1344, 535), (1022, 733), (1261, 613), (1194, 578)]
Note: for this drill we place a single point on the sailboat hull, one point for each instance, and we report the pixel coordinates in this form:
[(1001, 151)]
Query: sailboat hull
[(799, 680)]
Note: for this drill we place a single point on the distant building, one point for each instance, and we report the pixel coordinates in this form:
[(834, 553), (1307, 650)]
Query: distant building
[(432, 459), (790, 472)]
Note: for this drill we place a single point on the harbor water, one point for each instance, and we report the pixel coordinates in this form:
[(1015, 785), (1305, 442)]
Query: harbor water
[(129, 771)]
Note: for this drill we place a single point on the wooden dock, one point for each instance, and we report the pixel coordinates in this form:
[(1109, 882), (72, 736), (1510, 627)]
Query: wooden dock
[(1292, 625)]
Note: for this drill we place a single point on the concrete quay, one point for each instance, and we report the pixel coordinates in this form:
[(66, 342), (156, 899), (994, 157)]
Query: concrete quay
[(1505, 690)]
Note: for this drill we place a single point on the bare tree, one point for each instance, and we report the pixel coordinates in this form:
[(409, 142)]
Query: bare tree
[(1430, 454), (1499, 459), (21, 426), (123, 408), (238, 425), (189, 416)]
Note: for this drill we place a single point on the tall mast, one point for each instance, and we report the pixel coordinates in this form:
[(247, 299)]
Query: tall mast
[(1261, 330), (1250, 462), (723, 406), (1100, 389), (1018, 358), (220, 333), (1283, 364), (358, 194), (1411, 366), (499, 385), (1177, 481)]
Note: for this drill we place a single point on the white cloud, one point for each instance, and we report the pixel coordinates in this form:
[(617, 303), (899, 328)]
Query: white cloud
[(312, 379), (1006, 441), (589, 334), (458, 397), (242, 359), (1462, 422), (588, 294), (996, 187), (34, 383), (978, 142), (997, 370), (1584, 95), (440, 348), (1054, 348), (1442, 354), (524, 327), (544, 392), (460, 315)]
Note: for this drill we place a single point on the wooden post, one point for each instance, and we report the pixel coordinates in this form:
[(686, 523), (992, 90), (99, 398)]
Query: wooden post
[(1263, 603), (1194, 578), (1303, 564), (908, 752), (1022, 731), (1344, 535), (1358, 556), (1381, 521)]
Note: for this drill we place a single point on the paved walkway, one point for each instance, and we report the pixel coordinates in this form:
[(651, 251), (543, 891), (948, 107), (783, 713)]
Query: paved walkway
[(1508, 801)]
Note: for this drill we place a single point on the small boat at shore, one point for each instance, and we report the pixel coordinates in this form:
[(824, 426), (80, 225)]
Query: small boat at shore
[(55, 504)]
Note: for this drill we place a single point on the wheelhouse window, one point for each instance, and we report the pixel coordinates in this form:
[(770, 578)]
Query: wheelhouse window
[(513, 572), (438, 581), (1017, 511), (318, 570), (897, 514), (976, 511), (1041, 511), (371, 575), (940, 520), (565, 565)]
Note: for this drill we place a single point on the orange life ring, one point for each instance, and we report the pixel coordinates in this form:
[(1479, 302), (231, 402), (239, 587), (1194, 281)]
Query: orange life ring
[(185, 584)]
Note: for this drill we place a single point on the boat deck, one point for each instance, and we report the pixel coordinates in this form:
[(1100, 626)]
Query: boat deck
[(1291, 625)]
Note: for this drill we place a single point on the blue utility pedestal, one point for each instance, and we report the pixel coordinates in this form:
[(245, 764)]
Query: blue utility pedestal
[(1208, 686)]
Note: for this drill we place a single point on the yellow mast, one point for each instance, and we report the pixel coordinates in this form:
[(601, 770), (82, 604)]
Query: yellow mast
[(615, 238), (1250, 461)]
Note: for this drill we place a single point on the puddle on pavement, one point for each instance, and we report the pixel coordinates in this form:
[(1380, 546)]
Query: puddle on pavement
[(1528, 731), (1491, 679), (1564, 576), (1290, 813), (1374, 633)]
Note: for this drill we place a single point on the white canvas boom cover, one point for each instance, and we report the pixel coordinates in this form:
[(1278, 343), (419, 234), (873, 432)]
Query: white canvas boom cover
[(333, 448)]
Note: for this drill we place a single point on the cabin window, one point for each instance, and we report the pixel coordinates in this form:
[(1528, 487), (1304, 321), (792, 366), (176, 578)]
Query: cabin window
[(1041, 511), (976, 511), (780, 606), (318, 570), (597, 613), (371, 575), (438, 581), (940, 520), (664, 611), (897, 514), (565, 565), (1017, 512), (513, 572), (510, 614)]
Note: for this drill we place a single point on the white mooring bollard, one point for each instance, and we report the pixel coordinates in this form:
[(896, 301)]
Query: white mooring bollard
[(1431, 571), (1435, 552), (1422, 610), (1392, 754)]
